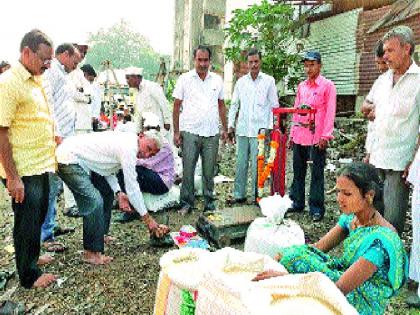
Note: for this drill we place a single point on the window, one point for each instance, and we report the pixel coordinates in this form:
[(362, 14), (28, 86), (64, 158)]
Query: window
[(211, 22)]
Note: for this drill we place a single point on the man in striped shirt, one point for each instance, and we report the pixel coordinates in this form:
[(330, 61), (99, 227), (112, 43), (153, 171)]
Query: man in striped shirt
[(61, 96)]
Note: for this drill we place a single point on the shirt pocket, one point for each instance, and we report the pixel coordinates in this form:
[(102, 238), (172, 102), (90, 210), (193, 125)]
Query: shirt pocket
[(261, 96), (30, 103), (214, 92), (403, 105), (318, 100)]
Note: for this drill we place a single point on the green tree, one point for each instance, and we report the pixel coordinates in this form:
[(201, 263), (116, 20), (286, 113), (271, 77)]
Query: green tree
[(124, 47), (270, 28)]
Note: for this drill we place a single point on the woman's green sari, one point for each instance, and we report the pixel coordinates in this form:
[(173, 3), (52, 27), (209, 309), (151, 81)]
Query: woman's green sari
[(380, 245)]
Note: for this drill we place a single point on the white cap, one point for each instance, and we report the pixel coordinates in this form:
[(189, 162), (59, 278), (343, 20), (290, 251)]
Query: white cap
[(134, 71), (150, 119)]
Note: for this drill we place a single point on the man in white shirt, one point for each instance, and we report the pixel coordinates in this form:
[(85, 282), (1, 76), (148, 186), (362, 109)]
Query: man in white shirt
[(199, 93), (397, 112), (103, 154), (96, 94), (83, 106), (255, 96), (150, 98), (368, 106)]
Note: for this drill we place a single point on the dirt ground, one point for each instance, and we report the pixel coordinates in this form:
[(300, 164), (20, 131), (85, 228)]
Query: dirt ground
[(128, 284)]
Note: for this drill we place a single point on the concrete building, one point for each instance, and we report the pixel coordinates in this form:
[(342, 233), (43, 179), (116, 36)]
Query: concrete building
[(202, 22), (198, 22)]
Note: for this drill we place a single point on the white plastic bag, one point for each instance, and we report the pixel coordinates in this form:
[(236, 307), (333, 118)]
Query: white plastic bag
[(266, 237), (275, 207)]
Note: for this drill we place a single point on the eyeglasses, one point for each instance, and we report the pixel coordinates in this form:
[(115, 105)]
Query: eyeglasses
[(44, 61)]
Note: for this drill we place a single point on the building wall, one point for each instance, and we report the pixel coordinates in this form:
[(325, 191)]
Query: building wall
[(191, 30), (335, 38)]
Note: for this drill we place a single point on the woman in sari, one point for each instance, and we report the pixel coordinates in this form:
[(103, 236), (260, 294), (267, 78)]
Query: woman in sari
[(374, 264)]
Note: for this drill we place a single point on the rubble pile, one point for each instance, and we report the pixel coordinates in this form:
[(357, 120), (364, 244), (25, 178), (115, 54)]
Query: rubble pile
[(348, 144)]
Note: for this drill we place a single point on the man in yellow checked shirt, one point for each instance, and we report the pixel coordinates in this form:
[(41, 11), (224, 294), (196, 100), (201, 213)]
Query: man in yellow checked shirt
[(27, 152)]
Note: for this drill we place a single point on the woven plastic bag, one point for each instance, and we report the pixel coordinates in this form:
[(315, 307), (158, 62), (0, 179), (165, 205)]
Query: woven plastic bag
[(265, 237)]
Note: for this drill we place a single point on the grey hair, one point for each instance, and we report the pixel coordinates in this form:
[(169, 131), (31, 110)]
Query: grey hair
[(154, 135), (404, 34)]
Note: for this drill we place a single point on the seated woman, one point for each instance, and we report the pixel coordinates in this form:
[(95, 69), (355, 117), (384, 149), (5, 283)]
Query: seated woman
[(374, 265), (155, 175)]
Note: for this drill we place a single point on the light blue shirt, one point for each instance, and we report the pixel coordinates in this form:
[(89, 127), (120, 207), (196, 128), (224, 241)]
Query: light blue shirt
[(255, 100)]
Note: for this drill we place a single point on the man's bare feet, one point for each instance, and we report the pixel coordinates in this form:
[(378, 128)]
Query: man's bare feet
[(45, 260), (96, 258), (45, 280), (108, 239)]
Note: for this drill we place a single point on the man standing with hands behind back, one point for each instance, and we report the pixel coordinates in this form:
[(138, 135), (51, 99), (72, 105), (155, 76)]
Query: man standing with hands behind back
[(320, 94), (199, 93)]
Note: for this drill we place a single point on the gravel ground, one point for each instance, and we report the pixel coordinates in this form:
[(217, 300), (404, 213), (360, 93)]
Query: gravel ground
[(128, 284)]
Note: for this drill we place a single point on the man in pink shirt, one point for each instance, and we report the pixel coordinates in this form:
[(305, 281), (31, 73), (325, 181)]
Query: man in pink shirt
[(320, 94)]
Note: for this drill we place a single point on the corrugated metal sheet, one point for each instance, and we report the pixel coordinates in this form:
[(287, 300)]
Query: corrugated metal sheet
[(367, 70), (335, 38), (346, 5), (401, 11)]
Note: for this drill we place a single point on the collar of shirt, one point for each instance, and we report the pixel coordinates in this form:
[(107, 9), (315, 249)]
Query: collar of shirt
[(413, 69), (22, 72), (208, 75), (317, 81), (141, 85), (259, 76), (57, 64)]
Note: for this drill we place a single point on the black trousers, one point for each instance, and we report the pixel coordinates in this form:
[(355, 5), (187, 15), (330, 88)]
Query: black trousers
[(301, 155), (28, 219), (149, 181)]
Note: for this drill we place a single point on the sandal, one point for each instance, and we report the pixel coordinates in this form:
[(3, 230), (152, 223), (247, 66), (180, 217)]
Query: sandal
[(52, 246), (232, 202), (62, 231)]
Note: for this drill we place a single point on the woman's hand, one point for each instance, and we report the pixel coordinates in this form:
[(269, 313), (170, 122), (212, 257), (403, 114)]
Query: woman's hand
[(268, 274), (278, 257)]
